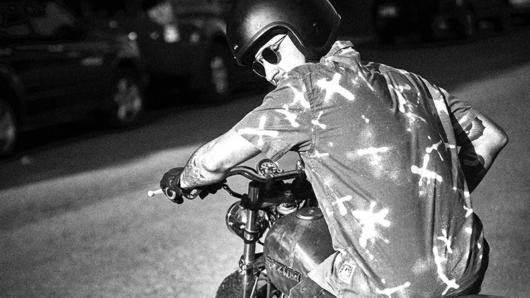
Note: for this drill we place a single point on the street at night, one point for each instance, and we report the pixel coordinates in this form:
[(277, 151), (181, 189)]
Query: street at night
[(75, 219)]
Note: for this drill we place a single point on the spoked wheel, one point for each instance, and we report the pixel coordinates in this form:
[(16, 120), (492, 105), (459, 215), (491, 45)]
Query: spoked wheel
[(126, 100), (8, 129)]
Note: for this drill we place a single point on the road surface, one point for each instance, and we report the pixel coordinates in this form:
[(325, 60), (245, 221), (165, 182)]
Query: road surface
[(75, 220)]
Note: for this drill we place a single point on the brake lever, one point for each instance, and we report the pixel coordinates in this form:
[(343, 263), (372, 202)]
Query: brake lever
[(233, 193)]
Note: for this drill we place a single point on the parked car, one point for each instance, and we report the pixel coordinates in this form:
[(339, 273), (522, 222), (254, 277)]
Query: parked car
[(184, 46), (54, 69), (434, 18)]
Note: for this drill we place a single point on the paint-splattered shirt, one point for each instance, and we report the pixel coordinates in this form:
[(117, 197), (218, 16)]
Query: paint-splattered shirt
[(380, 149)]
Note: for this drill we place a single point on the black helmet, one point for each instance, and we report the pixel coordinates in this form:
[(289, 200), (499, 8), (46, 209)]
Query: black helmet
[(311, 24)]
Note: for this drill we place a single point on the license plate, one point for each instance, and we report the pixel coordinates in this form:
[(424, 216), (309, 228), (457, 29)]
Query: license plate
[(388, 11)]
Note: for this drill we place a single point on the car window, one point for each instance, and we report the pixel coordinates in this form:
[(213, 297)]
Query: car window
[(50, 20), (13, 23)]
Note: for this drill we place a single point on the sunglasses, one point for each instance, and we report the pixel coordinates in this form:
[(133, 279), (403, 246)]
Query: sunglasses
[(269, 54)]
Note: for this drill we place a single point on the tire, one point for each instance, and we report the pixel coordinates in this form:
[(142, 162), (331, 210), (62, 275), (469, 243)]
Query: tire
[(126, 100), (231, 288), (468, 26), (8, 129), (217, 75)]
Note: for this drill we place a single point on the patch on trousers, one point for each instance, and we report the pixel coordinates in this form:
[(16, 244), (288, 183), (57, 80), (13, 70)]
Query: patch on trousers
[(346, 272)]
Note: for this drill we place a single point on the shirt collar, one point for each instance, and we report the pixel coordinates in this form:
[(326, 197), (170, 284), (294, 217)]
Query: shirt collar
[(337, 47)]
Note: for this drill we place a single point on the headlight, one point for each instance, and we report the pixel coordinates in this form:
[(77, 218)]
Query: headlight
[(236, 220)]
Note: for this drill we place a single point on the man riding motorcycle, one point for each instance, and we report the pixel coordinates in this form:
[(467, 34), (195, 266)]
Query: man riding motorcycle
[(391, 157)]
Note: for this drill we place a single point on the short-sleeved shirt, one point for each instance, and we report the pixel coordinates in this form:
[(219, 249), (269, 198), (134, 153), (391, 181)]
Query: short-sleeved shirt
[(380, 149)]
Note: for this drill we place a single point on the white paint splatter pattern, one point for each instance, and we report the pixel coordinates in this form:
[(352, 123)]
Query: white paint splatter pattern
[(289, 116), (340, 203), (260, 131), (369, 220), (299, 97), (317, 154), (469, 211), (333, 87), (316, 122), (389, 291), (446, 240), (434, 147), (372, 151), (439, 260), (424, 173), (366, 120)]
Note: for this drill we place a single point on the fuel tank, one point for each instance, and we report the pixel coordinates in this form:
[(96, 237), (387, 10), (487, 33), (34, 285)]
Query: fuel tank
[(295, 245)]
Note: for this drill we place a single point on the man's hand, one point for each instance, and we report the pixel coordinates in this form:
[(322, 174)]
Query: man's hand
[(170, 184)]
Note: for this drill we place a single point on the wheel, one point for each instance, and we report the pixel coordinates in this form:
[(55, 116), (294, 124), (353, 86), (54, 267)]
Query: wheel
[(231, 287), (468, 27), (126, 101), (8, 129), (216, 80)]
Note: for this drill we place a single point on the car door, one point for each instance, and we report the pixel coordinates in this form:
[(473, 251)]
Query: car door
[(50, 66), (74, 67)]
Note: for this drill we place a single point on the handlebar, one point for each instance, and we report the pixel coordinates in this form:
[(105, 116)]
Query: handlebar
[(252, 175)]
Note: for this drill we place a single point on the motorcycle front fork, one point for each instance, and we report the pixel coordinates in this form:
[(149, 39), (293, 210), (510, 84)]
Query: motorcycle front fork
[(247, 265)]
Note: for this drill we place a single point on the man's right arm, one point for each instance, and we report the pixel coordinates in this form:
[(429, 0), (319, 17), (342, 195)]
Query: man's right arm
[(481, 141)]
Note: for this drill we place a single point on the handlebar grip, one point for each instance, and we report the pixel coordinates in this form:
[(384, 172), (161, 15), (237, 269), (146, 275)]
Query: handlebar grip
[(153, 193)]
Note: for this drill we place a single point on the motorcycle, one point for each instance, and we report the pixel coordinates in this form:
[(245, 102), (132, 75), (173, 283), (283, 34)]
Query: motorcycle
[(280, 213)]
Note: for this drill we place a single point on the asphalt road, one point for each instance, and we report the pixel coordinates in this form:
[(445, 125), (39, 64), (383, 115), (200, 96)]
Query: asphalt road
[(75, 220)]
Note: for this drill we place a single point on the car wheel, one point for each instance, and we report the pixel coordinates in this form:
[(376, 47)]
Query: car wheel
[(126, 100), (8, 129), (468, 28)]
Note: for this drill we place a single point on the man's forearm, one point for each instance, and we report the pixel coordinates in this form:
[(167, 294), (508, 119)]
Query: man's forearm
[(209, 164), (483, 143), (195, 174)]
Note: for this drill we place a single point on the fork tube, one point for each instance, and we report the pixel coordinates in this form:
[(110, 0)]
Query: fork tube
[(249, 255), (250, 247), (249, 252)]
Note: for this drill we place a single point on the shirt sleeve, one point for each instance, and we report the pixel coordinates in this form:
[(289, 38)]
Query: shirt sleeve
[(282, 122), (461, 113)]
